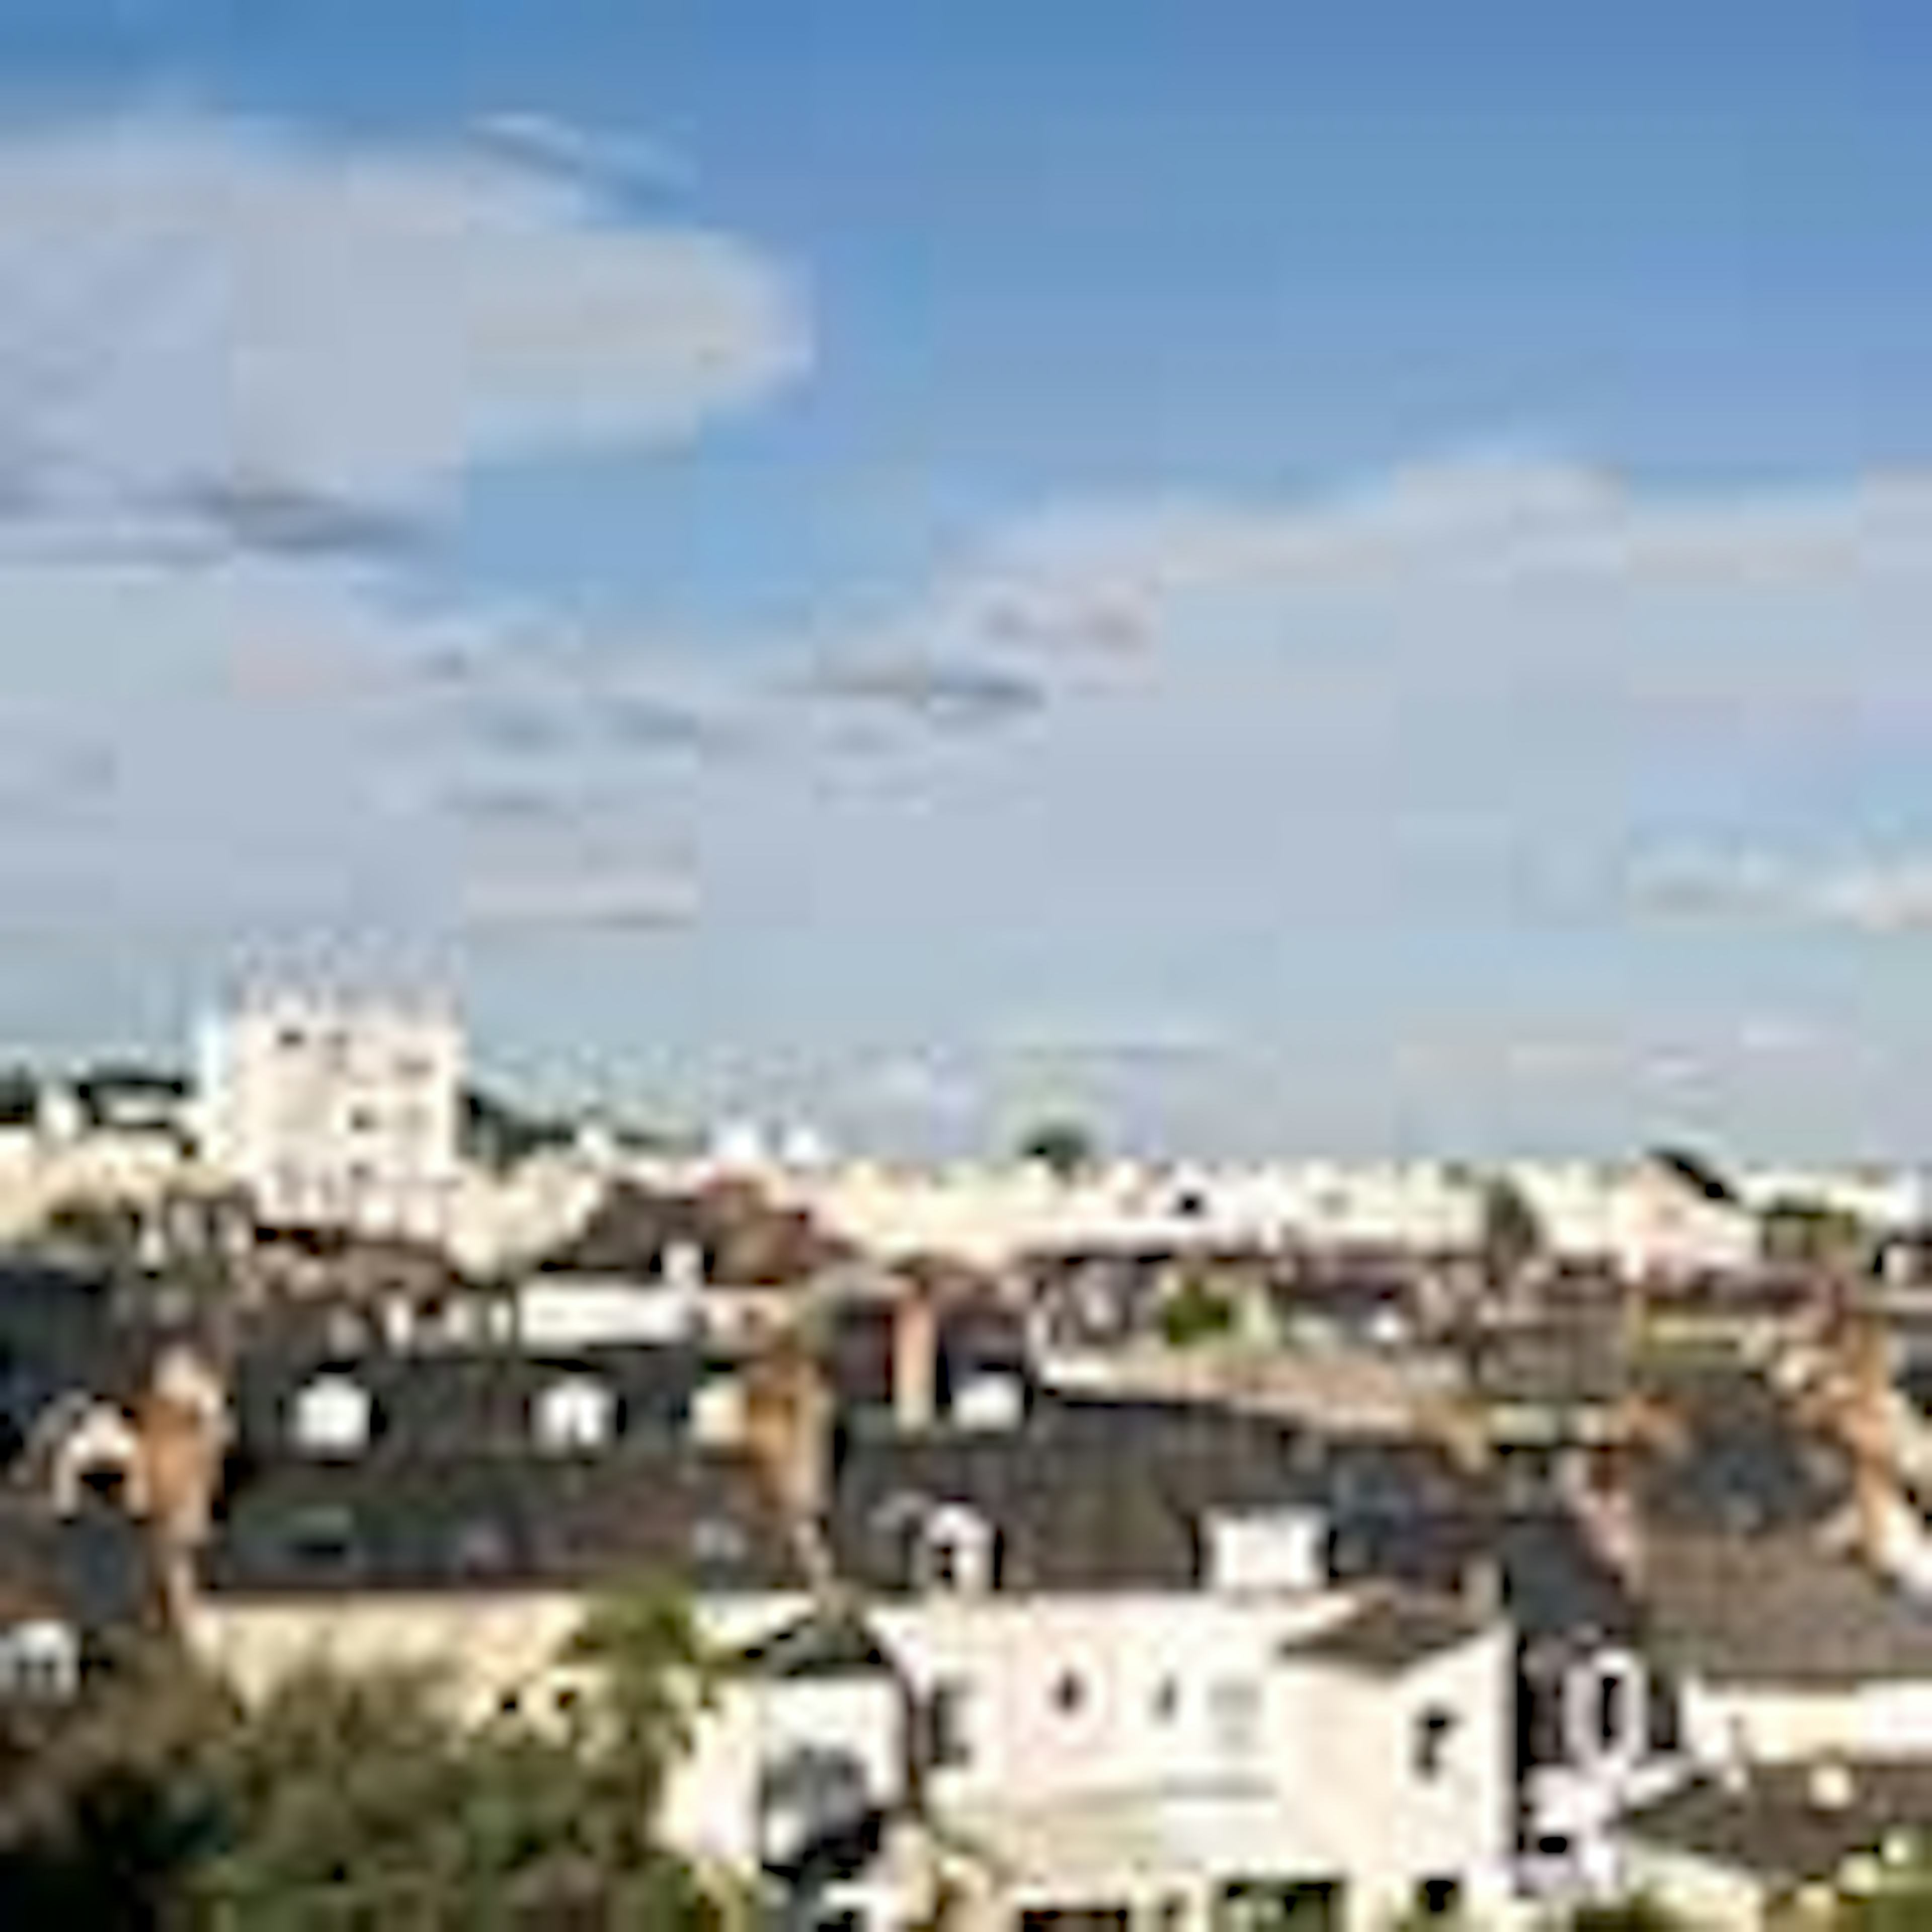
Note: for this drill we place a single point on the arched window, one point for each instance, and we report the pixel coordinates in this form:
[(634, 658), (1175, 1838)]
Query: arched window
[(334, 1416), (956, 1550), (575, 1414), (1606, 1709)]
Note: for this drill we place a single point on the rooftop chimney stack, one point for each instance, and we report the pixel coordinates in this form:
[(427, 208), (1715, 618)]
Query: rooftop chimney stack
[(915, 1359)]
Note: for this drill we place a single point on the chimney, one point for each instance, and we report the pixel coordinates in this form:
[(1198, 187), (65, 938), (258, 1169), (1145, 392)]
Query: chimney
[(182, 1424), (1868, 1435), (787, 1426), (1602, 1496), (915, 1358)]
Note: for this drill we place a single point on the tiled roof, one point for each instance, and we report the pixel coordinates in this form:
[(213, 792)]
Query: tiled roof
[(1392, 1632), (1779, 1610), (1772, 1825), (499, 1523)]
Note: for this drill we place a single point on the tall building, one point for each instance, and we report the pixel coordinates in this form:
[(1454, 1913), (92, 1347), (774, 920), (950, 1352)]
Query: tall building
[(335, 1112)]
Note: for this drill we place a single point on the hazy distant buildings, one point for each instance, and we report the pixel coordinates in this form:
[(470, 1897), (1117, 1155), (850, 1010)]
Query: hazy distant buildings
[(335, 1112)]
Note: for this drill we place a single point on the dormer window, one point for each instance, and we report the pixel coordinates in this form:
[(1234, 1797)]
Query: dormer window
[(955, 1550), (994, 1399), (334, 1416), (577, 1414), (39, 1661), (1284, 1549)]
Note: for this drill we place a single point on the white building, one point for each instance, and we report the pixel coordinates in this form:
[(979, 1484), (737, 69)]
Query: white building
[(335, 1113)]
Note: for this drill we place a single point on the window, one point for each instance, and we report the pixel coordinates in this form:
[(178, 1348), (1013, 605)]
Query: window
[(1433, 1730), (1612, 1708), (39, 1661), (577, 1413), (1166, 1699), (955, 1550), (1439, 1897), (1070, 1693), (333, 1416), (1553, 1845), (947, 1746)]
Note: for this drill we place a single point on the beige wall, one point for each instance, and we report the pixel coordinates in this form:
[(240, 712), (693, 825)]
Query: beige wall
[(492, 1646)]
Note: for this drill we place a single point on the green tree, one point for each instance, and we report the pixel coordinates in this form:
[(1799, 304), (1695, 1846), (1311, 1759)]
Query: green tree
[(106, 1803), (1511, 1235), (654, 1675), (1066, 1147), (1197, 1311), (343, 1802)]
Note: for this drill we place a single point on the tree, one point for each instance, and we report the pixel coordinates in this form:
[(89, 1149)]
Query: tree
[(361, 1802), (1511, 1234), (339, 1802), (654, 1676), (106, 1803), (1065, 1148), (1196, 1311)]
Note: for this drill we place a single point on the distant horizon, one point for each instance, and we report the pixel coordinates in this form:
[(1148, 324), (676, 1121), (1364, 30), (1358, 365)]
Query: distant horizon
[(992, 1141), (1346, 578)]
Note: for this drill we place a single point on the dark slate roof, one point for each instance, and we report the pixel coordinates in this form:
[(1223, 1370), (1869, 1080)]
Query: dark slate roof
[(58, 1336), (91, 1570), (1555, 1585), (1085, 1495), (1096, 1494), (1392, 1633), (822, 1643), (1773, 1827), (1741, 1464), (745, 1238), (468, 1401), (496, 1523), (1780, 1610)]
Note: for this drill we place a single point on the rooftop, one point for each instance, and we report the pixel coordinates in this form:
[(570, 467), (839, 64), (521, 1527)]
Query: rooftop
[(1773, 1825)]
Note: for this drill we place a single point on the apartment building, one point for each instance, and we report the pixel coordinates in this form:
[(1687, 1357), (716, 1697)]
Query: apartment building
[(335, 1112)]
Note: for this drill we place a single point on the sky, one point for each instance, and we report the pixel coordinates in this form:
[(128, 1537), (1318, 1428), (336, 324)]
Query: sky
[(1286, 578)]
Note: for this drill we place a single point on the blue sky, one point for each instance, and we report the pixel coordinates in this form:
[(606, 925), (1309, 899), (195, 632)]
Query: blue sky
[(1291, 576)]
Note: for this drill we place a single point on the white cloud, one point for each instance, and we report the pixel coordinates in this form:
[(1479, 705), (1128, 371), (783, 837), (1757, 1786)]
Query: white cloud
[(637, 898), (1878, 894), (189, 303), (543, 140)]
